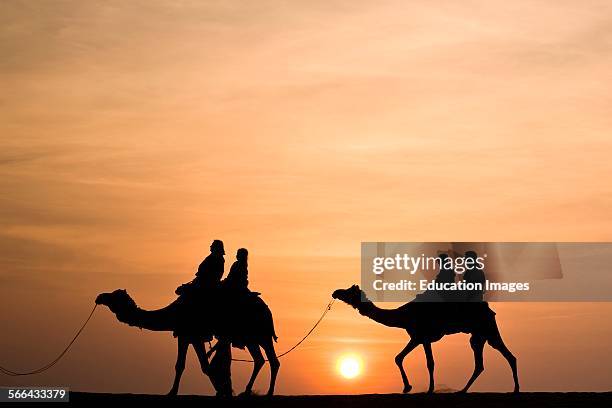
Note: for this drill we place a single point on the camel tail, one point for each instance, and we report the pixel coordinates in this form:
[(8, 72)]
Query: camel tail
[(274, 336), (271, 323)]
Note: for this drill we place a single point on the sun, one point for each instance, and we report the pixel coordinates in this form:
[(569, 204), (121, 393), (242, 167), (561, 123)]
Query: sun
[(349, 366)]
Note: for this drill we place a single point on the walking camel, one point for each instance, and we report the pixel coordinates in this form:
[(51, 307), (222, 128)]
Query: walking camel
[(427, 323), (253, 325)]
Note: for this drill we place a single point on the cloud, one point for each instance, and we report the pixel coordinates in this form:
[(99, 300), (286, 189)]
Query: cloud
[(11, 159)]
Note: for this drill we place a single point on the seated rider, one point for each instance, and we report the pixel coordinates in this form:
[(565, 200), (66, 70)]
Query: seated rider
[(199, 295), (445, 275), (474, 274), (238, 277), (209, 272), (235, 299)]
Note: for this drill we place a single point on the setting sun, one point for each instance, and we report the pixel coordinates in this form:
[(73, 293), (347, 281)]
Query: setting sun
[(349, 366)]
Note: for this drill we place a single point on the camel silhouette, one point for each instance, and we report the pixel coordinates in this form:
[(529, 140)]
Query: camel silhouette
[(428, 322), (253, 325)]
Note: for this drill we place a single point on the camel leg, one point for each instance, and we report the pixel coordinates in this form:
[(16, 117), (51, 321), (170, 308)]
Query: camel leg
[(477, 343), (183, 344), (212, 350), (258, 362), (201, 353), (268, 347), (498, 344), (430, 366), (399, 360)]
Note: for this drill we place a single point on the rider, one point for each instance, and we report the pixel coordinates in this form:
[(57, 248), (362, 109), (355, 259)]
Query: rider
[(200, 294), (445, 275), (474, 274), (238, 277), (210, 270), (233, 289)]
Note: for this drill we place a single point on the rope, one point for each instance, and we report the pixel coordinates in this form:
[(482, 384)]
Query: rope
[(63, 353), (57, 359), (327, 309)]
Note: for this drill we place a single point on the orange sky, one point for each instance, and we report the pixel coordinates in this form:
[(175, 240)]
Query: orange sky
[(134, 133)]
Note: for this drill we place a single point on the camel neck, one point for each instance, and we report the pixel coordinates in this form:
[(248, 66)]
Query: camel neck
[(388, 317), (156, 320)]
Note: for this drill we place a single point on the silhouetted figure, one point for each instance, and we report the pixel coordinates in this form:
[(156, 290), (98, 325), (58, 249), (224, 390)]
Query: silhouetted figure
[(235, 297), (209, 274), (474, 274), (220, 368), (255, 322), (198, 298), (205, 308), (238, 277), (445, 275), (428, 322), (211, 269)]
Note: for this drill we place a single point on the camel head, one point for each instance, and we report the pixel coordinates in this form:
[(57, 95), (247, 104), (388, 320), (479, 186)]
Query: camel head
[(353, 296), (118, 301)]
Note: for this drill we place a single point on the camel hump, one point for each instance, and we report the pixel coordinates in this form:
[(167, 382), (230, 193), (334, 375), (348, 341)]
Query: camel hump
[(246, 316)]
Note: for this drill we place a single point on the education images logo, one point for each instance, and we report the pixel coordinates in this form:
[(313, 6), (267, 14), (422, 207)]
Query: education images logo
[(470, 266)]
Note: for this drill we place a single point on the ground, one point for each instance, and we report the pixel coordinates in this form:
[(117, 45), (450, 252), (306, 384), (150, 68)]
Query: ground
[(480, 400)]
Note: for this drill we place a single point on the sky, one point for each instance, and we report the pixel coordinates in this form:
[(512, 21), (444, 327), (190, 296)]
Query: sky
[(132, 134)]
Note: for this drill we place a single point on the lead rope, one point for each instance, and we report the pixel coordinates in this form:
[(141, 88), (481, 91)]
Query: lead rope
[(57, 359), (44, 368), (327, 309)]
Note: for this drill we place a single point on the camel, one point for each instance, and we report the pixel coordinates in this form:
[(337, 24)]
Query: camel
[(427, 323), (254, 325)]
